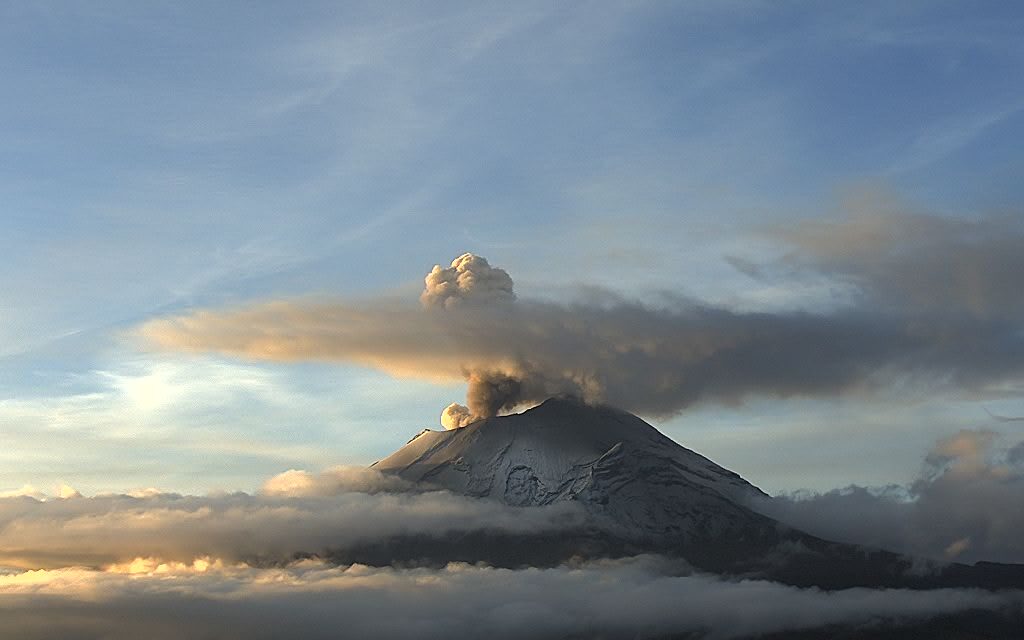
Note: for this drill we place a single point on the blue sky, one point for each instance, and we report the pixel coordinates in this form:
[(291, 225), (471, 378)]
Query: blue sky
[(156, 159)]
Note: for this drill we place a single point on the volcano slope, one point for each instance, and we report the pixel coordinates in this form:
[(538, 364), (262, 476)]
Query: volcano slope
[(639, 492)]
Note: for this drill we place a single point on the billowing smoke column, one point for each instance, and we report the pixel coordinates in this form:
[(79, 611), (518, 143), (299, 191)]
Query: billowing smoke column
[(491, 392), (472, 281)]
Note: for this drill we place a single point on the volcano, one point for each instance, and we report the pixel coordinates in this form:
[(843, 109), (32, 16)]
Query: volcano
[(629, 477), (641, 493)]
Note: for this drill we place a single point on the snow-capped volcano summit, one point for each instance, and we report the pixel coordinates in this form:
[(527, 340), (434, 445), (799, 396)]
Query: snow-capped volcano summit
[(641, 492), (626, 474)]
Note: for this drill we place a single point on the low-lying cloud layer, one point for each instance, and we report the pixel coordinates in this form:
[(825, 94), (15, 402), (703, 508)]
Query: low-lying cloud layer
[(633, 598), (296, 513), (937, 306), (161, 565), (964, 506)]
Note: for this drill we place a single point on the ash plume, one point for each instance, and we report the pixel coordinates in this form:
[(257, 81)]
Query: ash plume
[(471, 326), (469, 279)]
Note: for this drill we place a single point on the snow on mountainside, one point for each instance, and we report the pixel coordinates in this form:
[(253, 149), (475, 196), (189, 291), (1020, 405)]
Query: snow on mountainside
[(643, 493), (627, 475)]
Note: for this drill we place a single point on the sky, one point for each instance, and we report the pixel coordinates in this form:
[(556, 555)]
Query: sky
[(839, 179)]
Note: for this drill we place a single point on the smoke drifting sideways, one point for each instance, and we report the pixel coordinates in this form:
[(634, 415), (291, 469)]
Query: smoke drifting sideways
[(470, 325)]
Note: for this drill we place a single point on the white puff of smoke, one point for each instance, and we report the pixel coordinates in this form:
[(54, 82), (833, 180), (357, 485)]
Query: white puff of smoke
[(456, 416), (470, 279)]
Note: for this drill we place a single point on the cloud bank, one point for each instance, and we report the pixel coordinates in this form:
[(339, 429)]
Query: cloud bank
[(965, 505), (938, 306), (296, 513), (632, 598), (237, 566)]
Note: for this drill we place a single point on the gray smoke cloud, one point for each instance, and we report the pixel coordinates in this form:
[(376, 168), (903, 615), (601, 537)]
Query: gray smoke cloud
[(936, 308), (965, 505), (922, 263)]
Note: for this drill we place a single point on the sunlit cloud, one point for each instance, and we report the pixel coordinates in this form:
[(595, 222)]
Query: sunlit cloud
[(207, 596), (296, 513)]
